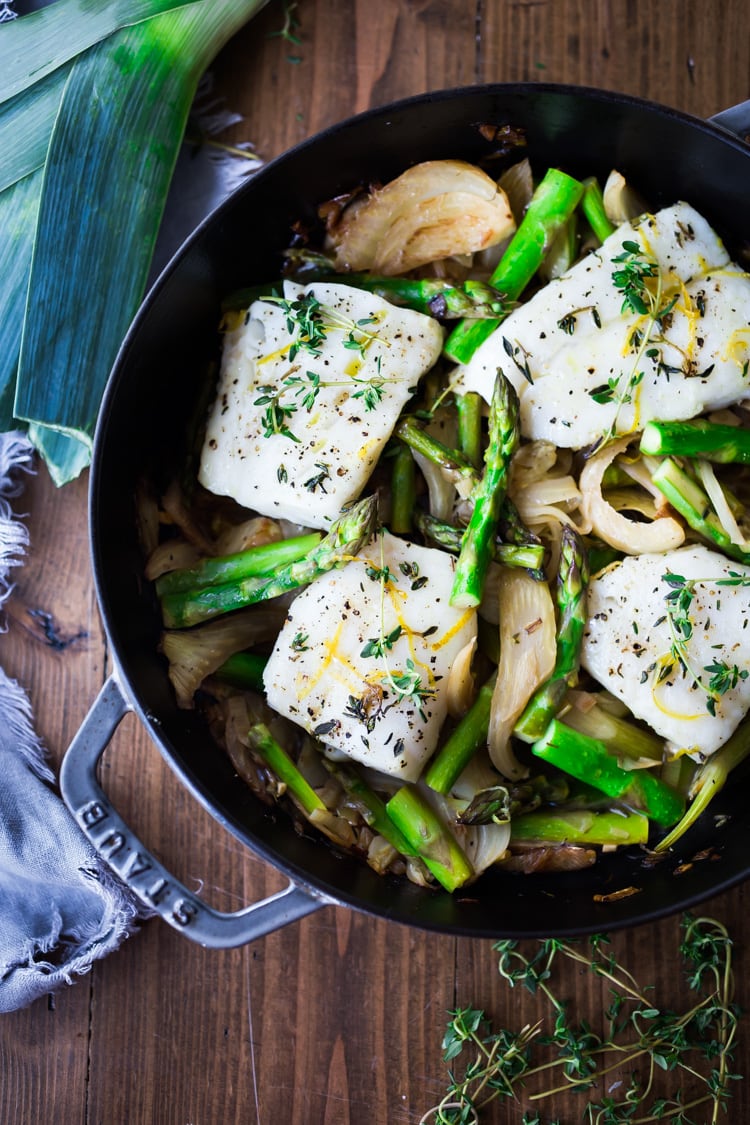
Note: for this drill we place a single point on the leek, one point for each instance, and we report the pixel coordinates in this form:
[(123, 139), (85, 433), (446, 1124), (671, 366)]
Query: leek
[(26, 123), (42, 41), (18, 211), (103, 93)]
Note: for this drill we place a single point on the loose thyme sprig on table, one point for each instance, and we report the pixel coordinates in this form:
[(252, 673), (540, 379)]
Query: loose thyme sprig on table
[(696, 1045)]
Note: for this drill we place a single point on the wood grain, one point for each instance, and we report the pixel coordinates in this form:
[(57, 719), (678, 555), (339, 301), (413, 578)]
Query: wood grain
[(338, 1019)]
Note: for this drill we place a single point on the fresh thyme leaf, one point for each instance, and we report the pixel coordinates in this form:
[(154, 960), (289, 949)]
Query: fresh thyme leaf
[(371, 391), (379, 573), (318, 479), (631, 277), (276, 413), (679, 600), (363, 711), (306, 387), (377, 646), (304, 321)]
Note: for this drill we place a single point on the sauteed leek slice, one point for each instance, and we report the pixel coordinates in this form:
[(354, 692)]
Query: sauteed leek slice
[(494, 611)]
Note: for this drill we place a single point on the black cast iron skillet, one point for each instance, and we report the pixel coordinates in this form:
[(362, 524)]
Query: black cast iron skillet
[(667, 156)]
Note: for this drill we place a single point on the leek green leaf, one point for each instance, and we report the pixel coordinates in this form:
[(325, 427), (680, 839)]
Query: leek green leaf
[(108, 169), (18, 212), (26, 123), (34, 46)]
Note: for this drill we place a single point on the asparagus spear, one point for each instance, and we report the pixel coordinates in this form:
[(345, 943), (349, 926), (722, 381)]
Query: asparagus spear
[(710, 780), (530, 557), (346, 537), (281, 765), (432, 296), (425, 831), (588, 759), (463, 742), (552, 204), (243, 670), (451, 461), (592, 205), (476, 547), (373, 810), (699, 438), (693, 504), (403, 490), (217, 571), (469, 410), (572, 582), (512, 528), (579, 826)]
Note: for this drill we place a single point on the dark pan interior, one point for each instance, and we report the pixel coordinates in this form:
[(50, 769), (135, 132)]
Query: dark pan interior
[(666, 156)]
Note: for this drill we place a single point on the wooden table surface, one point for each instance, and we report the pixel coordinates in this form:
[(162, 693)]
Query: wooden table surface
[(338, 1019)]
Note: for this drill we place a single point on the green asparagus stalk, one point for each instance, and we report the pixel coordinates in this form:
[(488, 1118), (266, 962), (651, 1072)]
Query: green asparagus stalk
[(709, 780), (476, 547), (442, 299), (592, 205), (689, 499), (264, 559), (529, 557), (281, 765), (579, 826), (451, 461), (572, 583), (403, 490), (463, 742), (588, 759), (469, 411), (372, 809), (426, 833), (552, 204), (243, 670), (435, 297), (347, 535), (700, 438)]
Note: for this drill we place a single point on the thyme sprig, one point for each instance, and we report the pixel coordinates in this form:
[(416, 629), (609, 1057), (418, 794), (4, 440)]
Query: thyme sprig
[(695, 1046), (309, 321), (722, 676), (631, 277)]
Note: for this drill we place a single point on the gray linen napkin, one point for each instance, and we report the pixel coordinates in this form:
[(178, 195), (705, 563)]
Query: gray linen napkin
[(60, 909), (60, 906)]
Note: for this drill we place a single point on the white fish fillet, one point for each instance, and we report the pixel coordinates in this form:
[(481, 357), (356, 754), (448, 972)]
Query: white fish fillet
[(572, 341), (628, 642), (318, 676), (311, 479)]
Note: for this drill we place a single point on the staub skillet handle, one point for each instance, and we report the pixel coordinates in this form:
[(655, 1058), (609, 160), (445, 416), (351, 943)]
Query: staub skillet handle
[(137, 867), (735, 120)]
